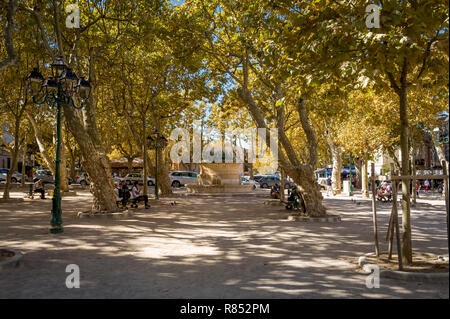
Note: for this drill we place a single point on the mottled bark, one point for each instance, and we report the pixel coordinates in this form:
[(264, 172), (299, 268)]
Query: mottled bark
[(14, 151), (42, 149), (364, 177), (336, 158), (130, 164), (358, 169), (24, 159), (309, 132), (302, 174), (164, 182), (12, 58), (401, 91), (95, 163)]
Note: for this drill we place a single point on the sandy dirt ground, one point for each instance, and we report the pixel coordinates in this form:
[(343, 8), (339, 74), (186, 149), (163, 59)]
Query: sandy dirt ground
[(208, 247)]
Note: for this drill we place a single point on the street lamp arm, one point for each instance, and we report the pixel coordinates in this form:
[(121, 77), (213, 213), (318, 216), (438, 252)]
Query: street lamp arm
[(44, 100), (74, 104)]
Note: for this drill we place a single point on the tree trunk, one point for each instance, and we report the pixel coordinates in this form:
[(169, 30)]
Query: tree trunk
[(24, 159), (414, 182), (282, 178), (94, 161), (164, 182), (303, 175), (14, 156), (10, 172), (130, 164), (406, 210), (336, 157), (364, 178), (85, 131), (12, 57), (42, 149), (359, 173), (73, 173), (309, 189)]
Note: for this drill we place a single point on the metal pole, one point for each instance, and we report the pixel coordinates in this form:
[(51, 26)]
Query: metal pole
[(56, 220), (350, 176), (144, 156), (156, 169), (445, 190)]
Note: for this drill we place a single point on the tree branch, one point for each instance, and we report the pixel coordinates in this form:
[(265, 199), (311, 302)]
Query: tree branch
[(12, 58)]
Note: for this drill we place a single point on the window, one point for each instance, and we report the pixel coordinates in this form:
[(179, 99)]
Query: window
[(176, 174)]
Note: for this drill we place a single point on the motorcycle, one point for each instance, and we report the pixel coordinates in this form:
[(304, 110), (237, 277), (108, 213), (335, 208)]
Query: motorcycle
[(275, 192), (294, 200)]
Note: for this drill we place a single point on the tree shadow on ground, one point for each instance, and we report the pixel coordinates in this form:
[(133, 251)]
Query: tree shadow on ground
[(206, 248)]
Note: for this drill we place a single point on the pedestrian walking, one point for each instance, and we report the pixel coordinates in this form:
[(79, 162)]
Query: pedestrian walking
[(427, 185)]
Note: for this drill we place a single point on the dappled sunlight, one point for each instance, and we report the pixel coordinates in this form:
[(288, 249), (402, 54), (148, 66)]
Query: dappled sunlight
[(190, 250)]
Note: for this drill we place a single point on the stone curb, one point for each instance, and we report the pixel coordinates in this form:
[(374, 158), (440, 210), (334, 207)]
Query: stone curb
[(117, 215), (11, 262), (327, 219), (218, 195), (403, 275)]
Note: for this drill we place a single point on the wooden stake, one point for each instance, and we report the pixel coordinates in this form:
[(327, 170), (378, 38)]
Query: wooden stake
[(395, 219), (374, 211), (446, 186)]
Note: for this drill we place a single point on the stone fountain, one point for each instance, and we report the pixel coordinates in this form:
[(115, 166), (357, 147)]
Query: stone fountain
[(219, 178)]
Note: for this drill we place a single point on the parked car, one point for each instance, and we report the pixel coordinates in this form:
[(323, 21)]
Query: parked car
[(83, 179), (248, 181), (45, 175), (180, 178), (132, 177), (269, 181), (15, 178), (257, 178)]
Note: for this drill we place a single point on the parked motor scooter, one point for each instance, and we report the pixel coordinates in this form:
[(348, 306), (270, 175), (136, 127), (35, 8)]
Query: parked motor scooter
[(275, 192), (294, 200)]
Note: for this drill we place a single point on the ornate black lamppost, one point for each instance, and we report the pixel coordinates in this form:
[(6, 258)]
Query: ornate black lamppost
[(57, 90)]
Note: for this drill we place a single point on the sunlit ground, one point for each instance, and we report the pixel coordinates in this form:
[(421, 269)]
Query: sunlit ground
[(232, 247)]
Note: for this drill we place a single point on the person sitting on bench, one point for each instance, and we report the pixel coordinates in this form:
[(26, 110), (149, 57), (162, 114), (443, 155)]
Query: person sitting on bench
[(39, 188), (118, 192), (124, 193), (137, 197)]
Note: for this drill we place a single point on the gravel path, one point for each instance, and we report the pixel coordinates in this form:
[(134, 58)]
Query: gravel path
[(232, 247)]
